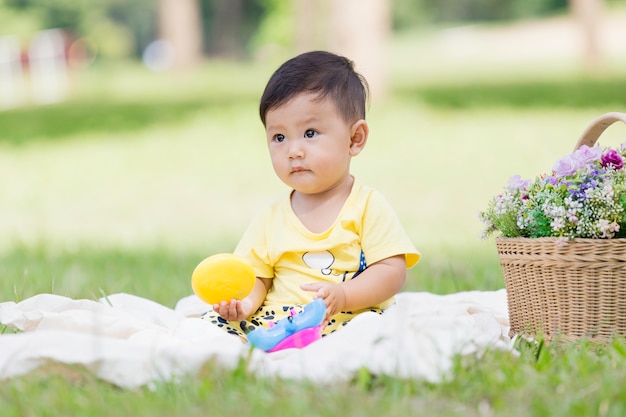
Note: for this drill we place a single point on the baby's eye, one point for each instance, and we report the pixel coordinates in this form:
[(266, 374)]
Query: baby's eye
[(310, 133), (279, 138)]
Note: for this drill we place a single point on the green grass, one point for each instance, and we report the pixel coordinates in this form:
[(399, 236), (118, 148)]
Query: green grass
[(542, 381), (163, 274), (564, 93), (74, 119), (158, 274), (130, 183)]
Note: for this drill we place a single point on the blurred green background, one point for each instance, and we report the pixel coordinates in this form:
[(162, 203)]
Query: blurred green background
[(130, 176)]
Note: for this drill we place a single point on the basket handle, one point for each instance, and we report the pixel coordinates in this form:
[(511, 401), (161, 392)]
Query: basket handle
[(599, 125)]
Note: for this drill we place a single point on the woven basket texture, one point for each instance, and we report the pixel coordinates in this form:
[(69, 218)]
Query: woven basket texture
[(567, 291)]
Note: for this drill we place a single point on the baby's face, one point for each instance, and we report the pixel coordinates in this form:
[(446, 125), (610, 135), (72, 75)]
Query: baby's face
[(309, 144)]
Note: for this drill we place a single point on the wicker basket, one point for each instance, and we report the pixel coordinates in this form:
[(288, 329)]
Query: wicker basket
[(571, 291)]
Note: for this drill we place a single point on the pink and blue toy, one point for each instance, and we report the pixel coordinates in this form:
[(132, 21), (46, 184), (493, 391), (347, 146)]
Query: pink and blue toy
[(296, 331)]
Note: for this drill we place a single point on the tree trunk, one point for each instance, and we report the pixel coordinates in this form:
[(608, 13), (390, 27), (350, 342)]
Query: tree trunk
[(359, 30), (313, 24), (306, 11), (588, 13), (226, 34), (181, 26), (356, 29)]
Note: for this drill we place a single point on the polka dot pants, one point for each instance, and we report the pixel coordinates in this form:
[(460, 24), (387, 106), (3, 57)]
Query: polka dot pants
[(267, 314)]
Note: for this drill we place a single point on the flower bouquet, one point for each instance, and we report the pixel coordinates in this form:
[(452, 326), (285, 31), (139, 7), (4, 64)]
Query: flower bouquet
[(583, 197), (562, 246)]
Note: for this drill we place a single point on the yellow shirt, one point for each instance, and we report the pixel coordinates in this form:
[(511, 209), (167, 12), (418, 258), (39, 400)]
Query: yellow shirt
[(279, 246)]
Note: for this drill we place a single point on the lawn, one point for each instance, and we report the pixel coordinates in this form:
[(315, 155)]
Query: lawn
[(130, 183)]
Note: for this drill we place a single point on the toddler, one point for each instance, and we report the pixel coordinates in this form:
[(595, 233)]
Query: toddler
[(331, 237)]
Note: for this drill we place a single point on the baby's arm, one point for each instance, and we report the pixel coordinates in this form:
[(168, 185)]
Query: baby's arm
[(238, 310), (377, 283)]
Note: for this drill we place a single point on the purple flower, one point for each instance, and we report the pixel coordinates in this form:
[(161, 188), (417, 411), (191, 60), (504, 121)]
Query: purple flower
[(582, 197), (580, 192), (613, 159), (517, 183), (586, 155), (567, 165)]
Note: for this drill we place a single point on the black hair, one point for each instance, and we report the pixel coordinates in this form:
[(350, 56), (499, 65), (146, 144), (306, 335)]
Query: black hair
[(329, 75)]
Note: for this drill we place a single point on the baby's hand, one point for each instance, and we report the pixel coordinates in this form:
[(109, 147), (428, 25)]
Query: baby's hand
[(236, 310), (332, 294)]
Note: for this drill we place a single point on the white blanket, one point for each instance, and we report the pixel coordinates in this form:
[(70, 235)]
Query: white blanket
[(130, 341)]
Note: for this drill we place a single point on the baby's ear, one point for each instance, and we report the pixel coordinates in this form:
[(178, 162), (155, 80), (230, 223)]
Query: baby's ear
[(358, 136)]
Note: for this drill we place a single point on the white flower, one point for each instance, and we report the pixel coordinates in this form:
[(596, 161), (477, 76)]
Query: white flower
[(503, 204), (607, 229), (582, 197), (557, 224)]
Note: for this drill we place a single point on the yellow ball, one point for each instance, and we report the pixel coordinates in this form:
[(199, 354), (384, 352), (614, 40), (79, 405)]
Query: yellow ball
[(222, 277)]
